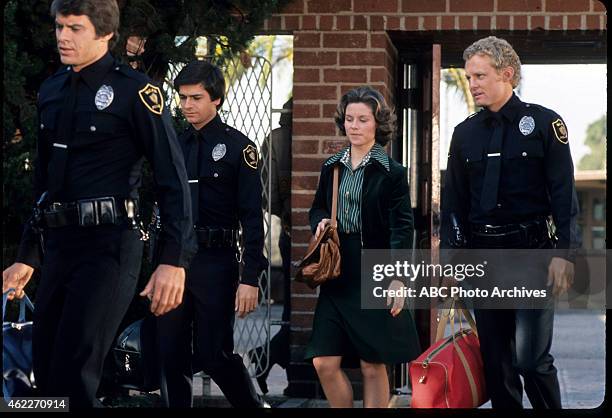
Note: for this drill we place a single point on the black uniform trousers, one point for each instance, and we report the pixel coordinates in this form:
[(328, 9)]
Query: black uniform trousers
[(89, 276), (208, 312), (516, 342)]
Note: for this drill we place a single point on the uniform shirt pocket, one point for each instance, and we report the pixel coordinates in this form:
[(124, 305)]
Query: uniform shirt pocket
[(473, 158), (97, 123), (48, 128), (48, 121), (526, 149), (216, 171)]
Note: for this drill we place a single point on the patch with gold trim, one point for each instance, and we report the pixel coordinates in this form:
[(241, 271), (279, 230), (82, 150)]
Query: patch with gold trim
[(152, 98), (250, 156), (560, 131)]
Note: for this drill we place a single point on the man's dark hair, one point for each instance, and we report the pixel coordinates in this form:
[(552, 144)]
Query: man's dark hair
[(206, 74), (104, 14)]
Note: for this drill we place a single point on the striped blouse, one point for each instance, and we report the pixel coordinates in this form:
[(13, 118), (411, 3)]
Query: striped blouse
[(349, 192)]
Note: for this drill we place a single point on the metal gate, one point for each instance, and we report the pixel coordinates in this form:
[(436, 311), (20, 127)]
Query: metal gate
[(248, 108)]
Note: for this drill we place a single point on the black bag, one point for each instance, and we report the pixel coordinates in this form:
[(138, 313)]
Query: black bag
[(17, 374), (134, 357)]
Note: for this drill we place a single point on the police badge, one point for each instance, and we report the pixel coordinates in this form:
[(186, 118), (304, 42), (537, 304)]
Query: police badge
[(218, 151), (104, 97), (526, 125)]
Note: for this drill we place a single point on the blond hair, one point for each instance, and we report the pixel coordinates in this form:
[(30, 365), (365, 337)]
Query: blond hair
[(501, 53)]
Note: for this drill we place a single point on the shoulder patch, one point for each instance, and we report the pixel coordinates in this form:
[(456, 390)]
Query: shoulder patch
[(560, 130), (152, 98), (249, 153)]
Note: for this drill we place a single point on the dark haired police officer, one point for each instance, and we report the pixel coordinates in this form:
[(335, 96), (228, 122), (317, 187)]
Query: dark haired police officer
[(223, 169), (509, 169), (98, 120)]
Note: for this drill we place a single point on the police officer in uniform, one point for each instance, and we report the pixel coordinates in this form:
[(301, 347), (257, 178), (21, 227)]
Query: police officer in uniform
[(509, 168), (224, 176), (98, 120)]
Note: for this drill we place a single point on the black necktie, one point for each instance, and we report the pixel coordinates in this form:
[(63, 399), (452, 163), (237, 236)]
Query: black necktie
[(61, 145), (193, 173), (488, 198)]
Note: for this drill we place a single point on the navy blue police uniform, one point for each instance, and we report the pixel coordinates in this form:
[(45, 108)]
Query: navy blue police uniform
[(96, 127), (224, 176), (508, 172)]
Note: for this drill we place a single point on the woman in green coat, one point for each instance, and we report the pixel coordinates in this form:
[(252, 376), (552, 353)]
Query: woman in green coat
[(374, 212)]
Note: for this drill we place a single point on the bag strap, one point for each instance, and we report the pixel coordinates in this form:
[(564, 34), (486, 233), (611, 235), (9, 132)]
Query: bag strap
[(466, 314), (334, 214), (25, 301), (449, 315)]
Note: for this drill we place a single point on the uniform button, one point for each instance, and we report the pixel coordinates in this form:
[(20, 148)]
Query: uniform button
[(467, 160), (524, 154), (216, 175), (499, 205), (527, 105), (117, 68), (92, 128), (42, 126), (69, 68)]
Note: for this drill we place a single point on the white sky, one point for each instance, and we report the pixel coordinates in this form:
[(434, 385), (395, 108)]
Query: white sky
[(577, 92)]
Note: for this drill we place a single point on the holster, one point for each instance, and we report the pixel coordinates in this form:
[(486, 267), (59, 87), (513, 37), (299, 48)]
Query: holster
[(154, 232), (457, 238)]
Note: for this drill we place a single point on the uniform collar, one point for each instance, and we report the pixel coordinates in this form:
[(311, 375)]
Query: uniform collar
[(94, 74), (377, 153), (508, 110), (213, 125), (204, 132)]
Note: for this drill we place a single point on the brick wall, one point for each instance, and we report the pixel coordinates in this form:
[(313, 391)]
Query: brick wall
[(339, 44)]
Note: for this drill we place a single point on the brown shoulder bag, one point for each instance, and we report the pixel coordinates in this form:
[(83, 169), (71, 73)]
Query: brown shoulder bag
[(322, 259)]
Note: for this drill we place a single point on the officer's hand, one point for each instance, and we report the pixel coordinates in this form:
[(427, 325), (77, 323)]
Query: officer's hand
[(16, 277), (398, 301), (560, 275), (321, 227), (246, 299), (165, 288)]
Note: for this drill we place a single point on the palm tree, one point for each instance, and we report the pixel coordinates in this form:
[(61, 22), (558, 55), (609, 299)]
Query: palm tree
[(455, 78)]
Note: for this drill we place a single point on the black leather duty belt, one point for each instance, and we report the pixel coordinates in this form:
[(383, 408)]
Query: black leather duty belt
[(216, 237), (529, 234), (89, 212)]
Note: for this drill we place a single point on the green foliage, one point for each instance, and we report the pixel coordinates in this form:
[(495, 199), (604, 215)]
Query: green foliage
[(596, 141), (28, 55), (229, 24)]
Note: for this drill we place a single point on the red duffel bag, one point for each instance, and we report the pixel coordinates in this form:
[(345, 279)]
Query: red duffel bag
[(450, 374)]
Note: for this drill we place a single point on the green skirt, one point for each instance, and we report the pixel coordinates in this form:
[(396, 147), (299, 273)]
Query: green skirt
[(342, 328)]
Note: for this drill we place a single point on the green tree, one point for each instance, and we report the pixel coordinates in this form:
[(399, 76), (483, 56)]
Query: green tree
[(596, 141)]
